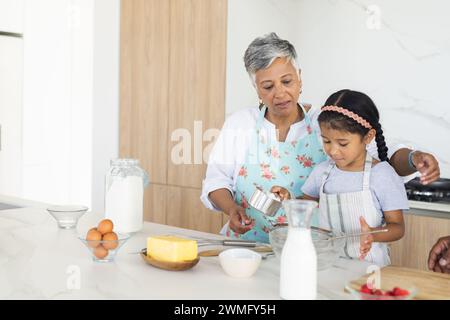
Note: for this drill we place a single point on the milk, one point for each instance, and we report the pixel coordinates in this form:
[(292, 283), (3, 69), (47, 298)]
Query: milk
[(298, 270), (124, 202)]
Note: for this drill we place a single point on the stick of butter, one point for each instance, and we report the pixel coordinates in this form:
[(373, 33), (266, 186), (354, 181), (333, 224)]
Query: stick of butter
[(170, 248)]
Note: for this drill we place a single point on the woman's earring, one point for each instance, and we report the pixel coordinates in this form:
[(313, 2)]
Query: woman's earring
[(261, 103)]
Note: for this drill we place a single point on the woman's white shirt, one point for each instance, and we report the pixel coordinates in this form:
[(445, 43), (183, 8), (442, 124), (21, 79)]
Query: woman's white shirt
[(230, 149)]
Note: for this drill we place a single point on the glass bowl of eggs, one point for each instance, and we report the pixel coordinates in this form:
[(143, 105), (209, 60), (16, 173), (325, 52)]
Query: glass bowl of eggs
[(103, 243)]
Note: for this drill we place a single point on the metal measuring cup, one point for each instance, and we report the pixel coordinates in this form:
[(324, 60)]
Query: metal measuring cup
[(266, 202)]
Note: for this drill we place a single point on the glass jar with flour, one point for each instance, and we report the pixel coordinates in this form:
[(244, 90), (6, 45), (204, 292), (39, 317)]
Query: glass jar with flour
[(124, 195)]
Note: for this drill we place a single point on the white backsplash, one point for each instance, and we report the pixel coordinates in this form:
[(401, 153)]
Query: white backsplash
[(398, 53)]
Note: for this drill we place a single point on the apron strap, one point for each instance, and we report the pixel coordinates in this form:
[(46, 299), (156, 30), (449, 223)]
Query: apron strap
[(306, 117), (263, 110), (367, 168), (260, 120), (326, 174)]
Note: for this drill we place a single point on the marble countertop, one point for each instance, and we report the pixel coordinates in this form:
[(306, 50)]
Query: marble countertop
[(430, 206), (40, 261)]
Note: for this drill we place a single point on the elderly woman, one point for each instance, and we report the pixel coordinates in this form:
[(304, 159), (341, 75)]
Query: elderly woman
[(277, 143)]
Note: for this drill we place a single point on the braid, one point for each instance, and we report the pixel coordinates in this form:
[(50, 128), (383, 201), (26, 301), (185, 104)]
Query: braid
[(381, 143)]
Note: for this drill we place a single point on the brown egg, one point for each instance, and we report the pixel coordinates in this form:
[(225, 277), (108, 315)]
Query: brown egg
[(93, 238), (100, 252), (105, 226), (111, 239)]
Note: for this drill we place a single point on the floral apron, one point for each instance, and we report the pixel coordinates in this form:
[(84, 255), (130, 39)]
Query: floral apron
[(269, 163)]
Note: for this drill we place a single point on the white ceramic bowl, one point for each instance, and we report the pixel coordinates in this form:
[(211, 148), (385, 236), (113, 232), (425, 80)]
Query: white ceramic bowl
[(239, 263)]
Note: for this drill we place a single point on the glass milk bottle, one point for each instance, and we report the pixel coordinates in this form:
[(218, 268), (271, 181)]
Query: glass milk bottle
[(124, 195), (298, 269)]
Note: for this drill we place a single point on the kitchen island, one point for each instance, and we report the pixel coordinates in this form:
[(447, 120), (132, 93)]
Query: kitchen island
[(40, 261)]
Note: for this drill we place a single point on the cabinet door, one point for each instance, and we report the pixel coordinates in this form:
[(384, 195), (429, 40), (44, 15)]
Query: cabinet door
[(421, 233), (197, 67), (11, 55), (144, 93), (11, 16), (172, 90)]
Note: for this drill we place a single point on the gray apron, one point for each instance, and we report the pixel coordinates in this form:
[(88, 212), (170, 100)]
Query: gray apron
[(342, 211)]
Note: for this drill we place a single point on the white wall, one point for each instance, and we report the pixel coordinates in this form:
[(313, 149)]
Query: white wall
[(71, 97), (403, 65), (11, 15), (247, 20), (57, 104), (11, 83), (105, 130)]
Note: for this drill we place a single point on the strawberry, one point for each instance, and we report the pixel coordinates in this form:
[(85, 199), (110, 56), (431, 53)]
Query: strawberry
[(377, 292), (365, 289), (398, 292)]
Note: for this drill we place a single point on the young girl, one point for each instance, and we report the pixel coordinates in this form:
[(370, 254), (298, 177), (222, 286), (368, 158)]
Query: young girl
[(356, 193)]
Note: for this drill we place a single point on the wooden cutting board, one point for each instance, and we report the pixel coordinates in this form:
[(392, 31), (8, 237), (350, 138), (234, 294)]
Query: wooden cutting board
[(430, 285), (216, 252)]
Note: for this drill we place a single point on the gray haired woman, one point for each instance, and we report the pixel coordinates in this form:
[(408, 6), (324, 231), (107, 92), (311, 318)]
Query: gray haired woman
[(276, 144)]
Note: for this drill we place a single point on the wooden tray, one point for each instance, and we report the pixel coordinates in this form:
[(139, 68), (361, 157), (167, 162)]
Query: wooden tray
[(430, 285), (168, 265)]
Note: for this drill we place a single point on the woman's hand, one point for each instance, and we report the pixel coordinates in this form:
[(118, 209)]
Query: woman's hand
[(427, 165), (439, 257), (365, 241), (239, 221), (281, 192)]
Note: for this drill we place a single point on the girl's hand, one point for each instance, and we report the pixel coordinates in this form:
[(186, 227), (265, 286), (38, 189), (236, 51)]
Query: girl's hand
[(281, 192), (365, 241)]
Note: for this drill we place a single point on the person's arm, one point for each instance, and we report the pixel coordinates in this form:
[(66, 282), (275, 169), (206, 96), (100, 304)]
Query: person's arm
[(221, 164), (394, 224), (423, 162), (239, 221), (399, 158), (229, 150)]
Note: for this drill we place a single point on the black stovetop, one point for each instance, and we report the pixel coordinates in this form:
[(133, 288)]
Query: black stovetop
[(438, 191)]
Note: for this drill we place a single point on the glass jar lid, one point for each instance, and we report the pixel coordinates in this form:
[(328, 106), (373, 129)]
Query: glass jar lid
[(124, 162)]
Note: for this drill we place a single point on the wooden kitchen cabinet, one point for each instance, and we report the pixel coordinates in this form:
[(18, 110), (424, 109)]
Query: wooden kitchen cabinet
[(421, 233), (172, 80), (197, 85), (144, 80), (184, 212), (189, 213)]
